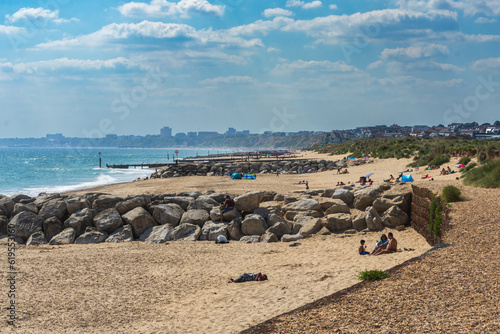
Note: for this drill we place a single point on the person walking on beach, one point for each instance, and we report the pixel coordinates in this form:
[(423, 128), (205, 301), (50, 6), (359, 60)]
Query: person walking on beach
[(392, 246), (227, 206), (277, 173)]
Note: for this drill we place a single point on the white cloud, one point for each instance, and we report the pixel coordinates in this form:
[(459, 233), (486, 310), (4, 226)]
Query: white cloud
[(333, 7), (375, 65), (163, 8), (10, 30), (271, 49), (417, 82), (294, 3), (314, 4), (486, 64), (484, 20), (469, 7), (271, 12), (241, 80), (314, 66), (416, 52), (38, 15), (422, 66), (128, 33), (260, 26)]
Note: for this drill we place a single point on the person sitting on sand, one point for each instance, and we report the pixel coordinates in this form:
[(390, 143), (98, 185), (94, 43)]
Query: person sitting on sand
[(227, 206), (247, 277), (392, 246), (381, 243), (362, 249), (307, 184)]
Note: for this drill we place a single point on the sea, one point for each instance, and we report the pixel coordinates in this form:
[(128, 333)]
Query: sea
[(31, 171)]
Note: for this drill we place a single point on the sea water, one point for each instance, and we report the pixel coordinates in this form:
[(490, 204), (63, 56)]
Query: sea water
[(31, 171)]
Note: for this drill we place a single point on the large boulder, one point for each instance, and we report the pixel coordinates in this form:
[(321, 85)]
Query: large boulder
[(196, 217), (365, 197), (338, 222), (264, 212), (305, 204), (37, 238), (18, 198), (310, 225), (228, 216), (74, 204), (234, 229), (122, 234), (280, 228), (183, 202), (249, 201), (394, 216), (211, 230), (91, 237), (54, 208), (253, 225), (373, 220), (269, 237), (26, 223), (132, 203), (170, 213), (203, 203), (160, 234), (108, 220), (401, 198), (193, 194), (343, 194), (20, 207), (359, 221), (104, 202), (274, 218), (139, 219), (250, 238), (268, 195), (7, 205), (189, 232), (291, 237), (382, 204), (79, 220), (67, 236), (4, 222), (52, 227), (338, 206)]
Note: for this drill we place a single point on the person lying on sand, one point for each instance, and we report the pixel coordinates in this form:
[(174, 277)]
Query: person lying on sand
[(392, 246), (426, 176), (247, 277)]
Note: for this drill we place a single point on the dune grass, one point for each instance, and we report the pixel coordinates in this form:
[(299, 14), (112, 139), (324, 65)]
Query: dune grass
[(486, 175)]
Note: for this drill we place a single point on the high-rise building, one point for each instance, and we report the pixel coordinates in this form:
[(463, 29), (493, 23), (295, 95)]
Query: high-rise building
[(231, 131), (166, 132)]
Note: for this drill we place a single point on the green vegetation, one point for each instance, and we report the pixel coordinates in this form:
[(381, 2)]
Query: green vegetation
[(468, 168), (433, 215), (487, 175), (437, 221), (423, 150), (464, 161), (451, 194), (372, 275)]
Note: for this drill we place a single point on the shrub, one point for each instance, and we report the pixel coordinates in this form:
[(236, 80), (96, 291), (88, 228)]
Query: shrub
[(487, 175), (440, 159), (451, 194), (372, 275), (432, 214), (437, 221), (464, 161), (468, 168)]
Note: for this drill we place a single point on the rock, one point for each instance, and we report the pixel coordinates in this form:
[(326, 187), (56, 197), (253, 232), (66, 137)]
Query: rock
[(122, 234), (290, 199), (20, 207), (382, 204), (290, 215), (248, 202), (269, 237), (104, 202), (400, 228), (74, 204), (108, 220), (394, 216), (328, 193), (183, 202), (338, 206), (54, 208), (400, 198), (250, 238), (310, 225), (196, 217), (279, 198), (132, 203), (91, 237), (139, 219), (160, 234), (67, 236), (324, 231), (37, 238), (338, 222), (43, 198), (168, 214), (189, 232), (7, 205), (350, 231), (253, 225), (306, 204), (193, 194), (343, 194), (211, 230), (359, 222), (273, 218), (373, 221), (291, 237), (280, 228), (79, 220), (264, 212), (26, 223), (268, 196), (21, 197), (52, 227), (217, 197), (228, 216), (4, 222), (234, 229), (203, 203), (272, 207)]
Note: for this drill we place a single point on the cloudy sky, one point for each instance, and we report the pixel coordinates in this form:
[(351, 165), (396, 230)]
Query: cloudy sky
[(90, 68)]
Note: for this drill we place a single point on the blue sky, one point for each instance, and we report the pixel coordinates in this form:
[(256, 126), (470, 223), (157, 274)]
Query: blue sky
[(91, 68)]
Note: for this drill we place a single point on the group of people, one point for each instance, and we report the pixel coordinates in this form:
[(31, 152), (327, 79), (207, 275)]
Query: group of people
[(446, 171), (386, 244), (306, 183), (340, 171)]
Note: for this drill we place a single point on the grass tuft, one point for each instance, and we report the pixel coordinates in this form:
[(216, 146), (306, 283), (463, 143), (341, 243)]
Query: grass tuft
[(486, 175), (372, 275)]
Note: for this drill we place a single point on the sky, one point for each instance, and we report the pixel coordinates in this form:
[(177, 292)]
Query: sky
[(96, 67)]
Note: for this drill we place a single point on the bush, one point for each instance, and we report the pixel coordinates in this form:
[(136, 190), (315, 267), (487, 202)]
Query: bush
[(437, 222), (464, 161), (432, 214), (372, 275), (487, 175), (468, 168), (451, 194), (440, 159)]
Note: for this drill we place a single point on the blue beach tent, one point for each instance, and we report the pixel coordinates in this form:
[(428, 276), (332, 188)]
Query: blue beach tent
[(236, 176), (406, 178)]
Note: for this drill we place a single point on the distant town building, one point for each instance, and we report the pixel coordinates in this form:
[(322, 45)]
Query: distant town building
[(244, 132), (55, 136), (230, 131), (204, 134), (192, 134), (166, 132)]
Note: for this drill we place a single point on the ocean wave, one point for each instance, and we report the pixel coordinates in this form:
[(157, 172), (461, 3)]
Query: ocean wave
[(101, 180)]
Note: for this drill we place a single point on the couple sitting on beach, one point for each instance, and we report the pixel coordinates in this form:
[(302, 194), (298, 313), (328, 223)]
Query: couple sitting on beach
[(384, 246)]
